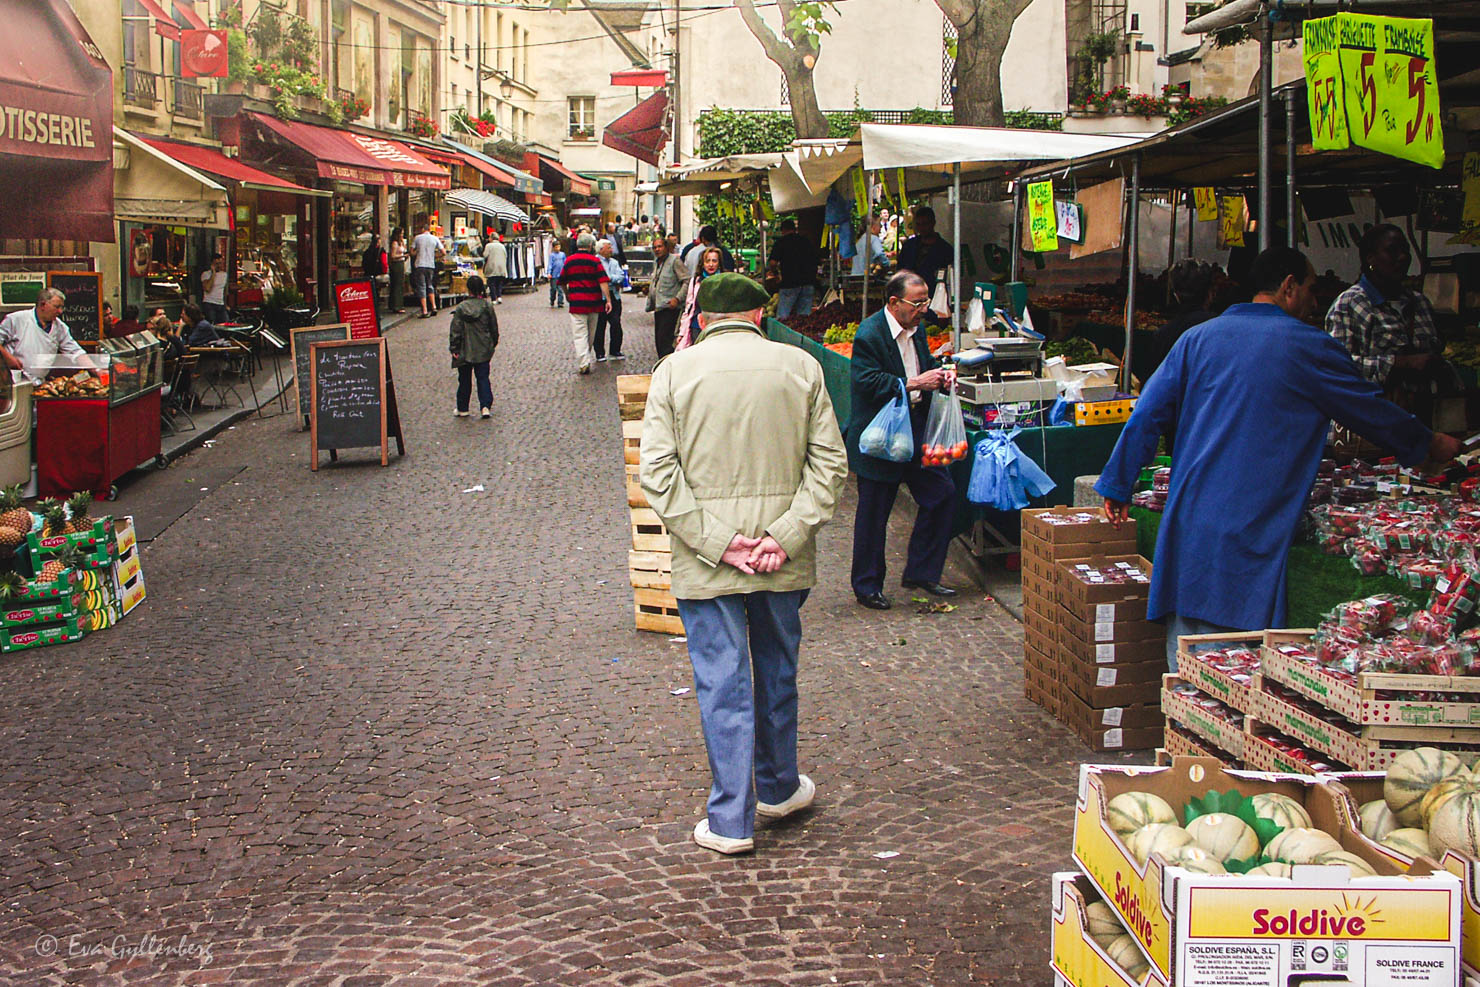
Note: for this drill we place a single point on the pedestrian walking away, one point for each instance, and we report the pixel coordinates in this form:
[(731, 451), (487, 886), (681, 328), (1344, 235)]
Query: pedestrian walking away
[(611, 319), (889, 351), (398, 270), (1251, 395), (553, 268), (666, 294), (743, 498), (797, 257), (425, 250), (471, 338), (495, 267), (584, 278)]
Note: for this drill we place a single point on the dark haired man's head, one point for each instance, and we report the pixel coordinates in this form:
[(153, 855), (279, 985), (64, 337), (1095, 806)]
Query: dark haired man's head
[(1283, 276), (1191, 281), (708, 234), (476, 287), (788, 225), (192, 313), (131, 312), (925, 221)]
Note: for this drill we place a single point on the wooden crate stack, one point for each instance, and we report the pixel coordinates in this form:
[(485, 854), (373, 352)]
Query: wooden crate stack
[(650, 560)]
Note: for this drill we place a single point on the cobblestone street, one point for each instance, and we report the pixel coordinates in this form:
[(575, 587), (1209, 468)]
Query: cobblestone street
[(372, 728)]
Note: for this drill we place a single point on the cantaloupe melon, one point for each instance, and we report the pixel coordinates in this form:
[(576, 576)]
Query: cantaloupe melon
[(1410, 777), (1128, 956), (1225, 837), (1195, 859), (1455, 825), (1377, 819), (1158, 837), (1300, 846), (1443, 792), (1101, 923), (1281, 810), (1129, 811), (1408, 842), (1352, 862), (1274, 868)]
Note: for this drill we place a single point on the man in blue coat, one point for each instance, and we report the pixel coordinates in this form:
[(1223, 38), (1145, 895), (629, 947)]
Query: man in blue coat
[(1251, 395), (889, 351)]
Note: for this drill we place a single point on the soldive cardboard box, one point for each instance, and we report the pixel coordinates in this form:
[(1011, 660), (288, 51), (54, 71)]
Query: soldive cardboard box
[(1076, 958), (1395, 930)]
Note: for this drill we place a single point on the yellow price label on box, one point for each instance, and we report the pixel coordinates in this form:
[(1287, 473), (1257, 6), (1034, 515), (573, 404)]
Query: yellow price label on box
[(1391, 86), (1206, 201), (1323, 89), (1043, 222)]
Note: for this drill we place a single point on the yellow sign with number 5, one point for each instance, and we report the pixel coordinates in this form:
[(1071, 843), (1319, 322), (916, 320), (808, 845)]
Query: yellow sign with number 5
[(1391, 87)]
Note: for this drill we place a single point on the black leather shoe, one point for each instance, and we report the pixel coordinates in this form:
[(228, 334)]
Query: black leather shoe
[(874, 601), (934, 589)]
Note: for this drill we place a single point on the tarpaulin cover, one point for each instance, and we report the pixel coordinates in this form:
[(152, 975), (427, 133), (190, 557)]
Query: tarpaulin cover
[(642, 131)]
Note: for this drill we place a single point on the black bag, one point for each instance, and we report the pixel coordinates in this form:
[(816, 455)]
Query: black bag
[(373, 261)]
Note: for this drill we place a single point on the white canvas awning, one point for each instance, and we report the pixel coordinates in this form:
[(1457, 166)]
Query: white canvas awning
[(480, 201), (977, 149), (151, 187)]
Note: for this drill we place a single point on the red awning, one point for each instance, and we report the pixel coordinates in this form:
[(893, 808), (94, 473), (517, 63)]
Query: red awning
[(642, 131), (56, 134), (213, 161), (493, 172), (640, 77), (186, 9), (164, 24), (354, 157), (574, 183)]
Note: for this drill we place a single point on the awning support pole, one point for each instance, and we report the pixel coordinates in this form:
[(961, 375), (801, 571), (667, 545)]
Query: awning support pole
[(868, 214), (1292, 236), (1132, 270), (956, 258), (1266, 79), (1013, 249)]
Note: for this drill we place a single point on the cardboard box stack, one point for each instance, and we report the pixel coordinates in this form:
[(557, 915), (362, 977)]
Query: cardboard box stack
[(105, 585), (1090, 656), (650, 560)]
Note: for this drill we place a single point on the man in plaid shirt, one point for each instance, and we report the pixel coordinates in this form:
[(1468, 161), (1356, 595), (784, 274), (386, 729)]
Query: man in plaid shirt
[(1387, 328)]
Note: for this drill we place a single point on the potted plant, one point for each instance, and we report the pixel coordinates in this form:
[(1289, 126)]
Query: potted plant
[(1173, 96), (422, 126), (1143, 105), (1116, 98)]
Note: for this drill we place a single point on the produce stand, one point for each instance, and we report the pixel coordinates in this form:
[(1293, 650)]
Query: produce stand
[(91, 431)]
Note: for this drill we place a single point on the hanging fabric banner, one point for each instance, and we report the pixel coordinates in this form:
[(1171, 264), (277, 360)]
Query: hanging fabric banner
[(904, 195), (1042, 221), (860, 192), (1206, 201)]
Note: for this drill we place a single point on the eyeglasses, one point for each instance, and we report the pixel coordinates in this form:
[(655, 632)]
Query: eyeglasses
[(914, 305)]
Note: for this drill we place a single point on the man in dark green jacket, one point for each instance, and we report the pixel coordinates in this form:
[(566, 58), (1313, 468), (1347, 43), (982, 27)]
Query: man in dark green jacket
[(889, 351)]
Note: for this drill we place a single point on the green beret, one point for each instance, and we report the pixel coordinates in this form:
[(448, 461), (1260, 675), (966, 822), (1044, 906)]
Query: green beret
[(731, 293)]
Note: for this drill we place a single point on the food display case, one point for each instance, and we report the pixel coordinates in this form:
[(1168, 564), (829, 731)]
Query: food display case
[(97, 415)]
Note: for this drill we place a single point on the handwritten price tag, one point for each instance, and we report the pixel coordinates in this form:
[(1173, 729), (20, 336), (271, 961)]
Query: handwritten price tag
[(1043, 222), (1323, 89), (1232, 218), (1391, 90), (1207, 204)]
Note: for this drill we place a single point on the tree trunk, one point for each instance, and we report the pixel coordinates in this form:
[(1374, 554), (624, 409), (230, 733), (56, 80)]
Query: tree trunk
[(792, 59), (983, 28)]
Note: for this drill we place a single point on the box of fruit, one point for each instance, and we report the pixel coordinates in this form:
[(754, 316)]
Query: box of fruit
[(1088, 944), (1221, 665), (21, 638), (1233, 877)]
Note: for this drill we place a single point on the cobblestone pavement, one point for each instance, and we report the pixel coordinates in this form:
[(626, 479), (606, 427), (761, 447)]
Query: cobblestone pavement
[(372, 728)]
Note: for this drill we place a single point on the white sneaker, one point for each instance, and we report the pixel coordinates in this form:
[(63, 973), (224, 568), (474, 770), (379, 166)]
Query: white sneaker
[(615, 357), (800, 799), (486, 414), (461, 414), (720, 844), (602, 359)]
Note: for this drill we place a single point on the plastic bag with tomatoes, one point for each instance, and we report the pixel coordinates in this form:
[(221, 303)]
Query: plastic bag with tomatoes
[(945, 431)]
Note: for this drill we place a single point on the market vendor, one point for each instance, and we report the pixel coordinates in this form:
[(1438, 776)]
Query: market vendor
[(33, 338), (1251, 395), (927, 253), (1389, 329)]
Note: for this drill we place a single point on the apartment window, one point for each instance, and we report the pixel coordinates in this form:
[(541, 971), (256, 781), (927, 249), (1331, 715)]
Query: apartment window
[(582, 117), (452, 46), (467, 51)]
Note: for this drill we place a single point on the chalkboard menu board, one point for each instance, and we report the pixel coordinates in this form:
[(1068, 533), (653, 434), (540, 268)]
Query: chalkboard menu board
[(302, 339), (84, 311), (347, 382)]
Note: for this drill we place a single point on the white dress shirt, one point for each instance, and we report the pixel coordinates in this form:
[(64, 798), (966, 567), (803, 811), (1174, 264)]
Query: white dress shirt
[(905, 340), (37, 348)]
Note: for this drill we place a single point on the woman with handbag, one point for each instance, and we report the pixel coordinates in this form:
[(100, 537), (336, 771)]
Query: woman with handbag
[(398, 270)]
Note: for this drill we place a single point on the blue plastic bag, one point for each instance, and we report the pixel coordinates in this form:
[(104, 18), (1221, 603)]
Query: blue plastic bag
[(1003, 477), (890, 436)]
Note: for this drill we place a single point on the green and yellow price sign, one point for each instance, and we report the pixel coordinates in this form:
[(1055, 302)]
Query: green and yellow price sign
[(1043, 222)]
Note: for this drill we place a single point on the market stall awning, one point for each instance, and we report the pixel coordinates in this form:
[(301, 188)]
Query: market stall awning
[(186, 9), (56, 128), (553, 171), (705, 176), (154, 187), (212, 161), (522, 181), (477, 200), (356, 157), (164, 25), (940, 148), (642, 131)]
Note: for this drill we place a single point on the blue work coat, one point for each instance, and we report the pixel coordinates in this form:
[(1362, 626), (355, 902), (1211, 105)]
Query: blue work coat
[(1251, 395)]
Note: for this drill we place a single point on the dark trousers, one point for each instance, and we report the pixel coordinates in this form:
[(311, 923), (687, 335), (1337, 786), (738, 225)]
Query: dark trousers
[(935, 501), (495, 287), (665, 320), (215, 314), (612, 319), (465, 374)]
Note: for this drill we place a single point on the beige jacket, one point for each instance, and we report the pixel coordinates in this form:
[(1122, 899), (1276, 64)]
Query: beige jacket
[(740, 438)]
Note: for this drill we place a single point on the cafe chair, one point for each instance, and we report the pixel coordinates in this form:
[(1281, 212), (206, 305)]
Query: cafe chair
[(174, 394)]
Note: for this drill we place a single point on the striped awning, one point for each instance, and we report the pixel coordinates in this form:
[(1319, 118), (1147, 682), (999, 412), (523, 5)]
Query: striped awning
[(477, 200)]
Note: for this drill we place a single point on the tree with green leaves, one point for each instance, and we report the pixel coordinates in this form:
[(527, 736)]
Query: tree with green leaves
[(982, 30), (795, 51)]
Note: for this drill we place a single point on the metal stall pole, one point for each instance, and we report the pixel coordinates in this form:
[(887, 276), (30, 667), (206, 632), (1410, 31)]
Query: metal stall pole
[(1291, 216), (1266, 79), (868, 211), (1014, 250), (1131, 271), (956, 258)]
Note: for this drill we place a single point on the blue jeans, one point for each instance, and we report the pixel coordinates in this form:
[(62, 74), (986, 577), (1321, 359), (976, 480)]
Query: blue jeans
[(1178, 625), (557, 291), (465, 373), (795, 301), (750, 726), (215, 314)]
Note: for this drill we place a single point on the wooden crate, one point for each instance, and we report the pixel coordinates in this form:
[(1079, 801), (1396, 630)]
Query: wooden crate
[(1218, 684), (1225, 734), (648, 532), (632, 392), (635, 496), (656, 611), (650, 570), (631, 439)]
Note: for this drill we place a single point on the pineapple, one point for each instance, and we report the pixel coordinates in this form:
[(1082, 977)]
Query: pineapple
[(13, 586), (53, 517), (14, 515), (77, 506), (66, 559), (11, 538)]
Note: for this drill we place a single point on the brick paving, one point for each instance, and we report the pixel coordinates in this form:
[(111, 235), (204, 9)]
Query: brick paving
[(371, 729)]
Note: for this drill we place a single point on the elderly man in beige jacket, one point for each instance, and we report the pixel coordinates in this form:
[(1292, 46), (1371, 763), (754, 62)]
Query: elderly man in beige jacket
[(743, 461)]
